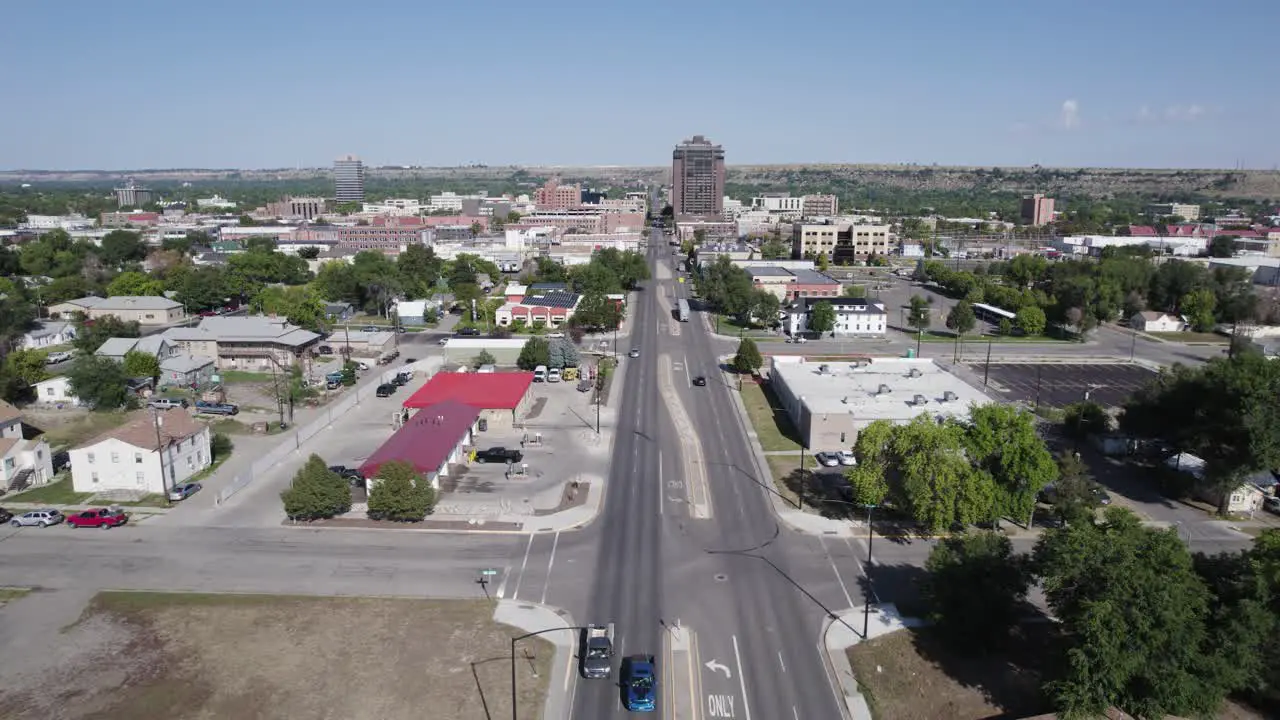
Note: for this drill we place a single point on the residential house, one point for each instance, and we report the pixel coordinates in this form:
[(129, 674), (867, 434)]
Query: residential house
[(1245, 499), (415, 312), (25, 460), (146, 310), (1150, 321), (49, 334), (363, 344), (338, 312), (256, 343), (855, 317), (177, 368), (55, 391), (152, 451)]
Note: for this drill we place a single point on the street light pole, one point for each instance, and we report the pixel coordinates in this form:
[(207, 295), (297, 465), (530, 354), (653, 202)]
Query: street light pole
[(515, 640)]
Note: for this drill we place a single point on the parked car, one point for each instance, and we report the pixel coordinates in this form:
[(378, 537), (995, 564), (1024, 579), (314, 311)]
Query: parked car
[(57, 356), (1270, 503), (553, 375), (499, 455), (827, 459), (635, 353), (167, 403), (99, 518), (38, 518), (212, 408), (585, 385), (386, 390), (700, 381), (184, 491), (846, 458), (325, 350), (370, 328), (469, 332), (351, 475)]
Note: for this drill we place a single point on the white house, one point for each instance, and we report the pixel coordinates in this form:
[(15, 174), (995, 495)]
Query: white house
[(1245, 499), (1149, 321), (55, 390), (48, 334), (128, 457), (855, 317), (23, 461)]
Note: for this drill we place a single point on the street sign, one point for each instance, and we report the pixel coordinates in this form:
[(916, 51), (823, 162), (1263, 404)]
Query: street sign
[(488, 572)]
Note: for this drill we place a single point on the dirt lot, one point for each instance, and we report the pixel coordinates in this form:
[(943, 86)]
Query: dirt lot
[(909, 675), (146, 655)]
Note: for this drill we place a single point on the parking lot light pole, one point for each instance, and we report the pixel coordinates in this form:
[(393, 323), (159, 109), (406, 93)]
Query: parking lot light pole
[(866, 601)]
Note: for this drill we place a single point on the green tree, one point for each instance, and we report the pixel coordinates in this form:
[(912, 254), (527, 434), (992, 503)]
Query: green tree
[(1134, 614), (484, 358), (300, 305), (855, 291), (349, 368), (400, 493), (1030, 320), (597, 312), (27, 365), (122, 246), (312, 252), (822, 262), (975, 587), (1083, 419), (748, 359), (134, 283), (867, 483), (875, 442), (822, 318), (1075, 493), (99, 382), (938, 484), (1002, 440), (535, 352), (764, 308), (1222, 246), (1198, 306), (138, 364), (919, 316), (91, 334), (548, 270), (316, 492), (420, 270), (774, 249), (961, 319)]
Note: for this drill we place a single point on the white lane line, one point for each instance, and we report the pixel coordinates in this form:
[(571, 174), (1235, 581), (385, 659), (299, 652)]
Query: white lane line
[(502, 587), (794, 712), (742, 680), (784, 665), (547, 585), (687, 377), (515, 594), (836, 570), (662, 498)]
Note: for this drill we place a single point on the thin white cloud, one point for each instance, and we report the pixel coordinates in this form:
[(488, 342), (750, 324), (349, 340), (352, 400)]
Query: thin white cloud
[(1070, 115), (1176, 113)]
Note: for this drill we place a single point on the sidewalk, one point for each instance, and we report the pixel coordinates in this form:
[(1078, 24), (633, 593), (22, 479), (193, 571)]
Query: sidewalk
[(845, 631), (532, 618)]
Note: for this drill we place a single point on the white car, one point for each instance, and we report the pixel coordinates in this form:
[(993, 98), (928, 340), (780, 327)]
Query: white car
[(827, 459), (846, 458), (38, 518), (57, 357)]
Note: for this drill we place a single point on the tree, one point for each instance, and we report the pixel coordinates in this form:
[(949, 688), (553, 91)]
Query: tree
[(855, 291), (316, 492), (26, 365), (1083, 419), (1198, 306), (939, 486), (90, 334), (420, 270), (120, 247), (919, 316), (961, 319), (300, 305), (134, 283), (1134, 614), (975, 588), (1002, 440), (548, 270), (561, 354), (774, 249), (476, 229), (99, 382), (867, 483), (484, 358), (1005, 327), (764, 308), (748, 359), (138, 364), (1075, 492), (312, 252), (1222, 246), (401, 494), (822, 318), (822, 262), (536, 351), (1030, 320)]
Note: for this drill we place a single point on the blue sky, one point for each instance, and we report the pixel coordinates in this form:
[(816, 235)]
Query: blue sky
[(279, 83)]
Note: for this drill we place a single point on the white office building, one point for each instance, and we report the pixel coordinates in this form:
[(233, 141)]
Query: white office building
[(348, 179), (855, 317)]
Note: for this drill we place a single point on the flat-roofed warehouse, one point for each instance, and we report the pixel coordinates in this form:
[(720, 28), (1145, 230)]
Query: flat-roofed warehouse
[(830, 402)]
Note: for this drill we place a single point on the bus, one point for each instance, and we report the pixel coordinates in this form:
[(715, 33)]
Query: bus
[(684, 310), (991, 314)]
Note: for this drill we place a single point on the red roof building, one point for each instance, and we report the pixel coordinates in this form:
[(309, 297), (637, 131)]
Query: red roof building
[(431, 441), (500, 397)]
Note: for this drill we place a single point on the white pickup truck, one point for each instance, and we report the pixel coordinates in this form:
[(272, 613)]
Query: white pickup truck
[(596, 655)]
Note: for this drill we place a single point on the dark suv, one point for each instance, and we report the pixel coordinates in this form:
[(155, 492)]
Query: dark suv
[(386, 390), (499, 455)]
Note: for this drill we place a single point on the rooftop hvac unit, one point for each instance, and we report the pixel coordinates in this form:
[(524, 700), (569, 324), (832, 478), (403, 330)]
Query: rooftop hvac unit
[(919, 400), (915, 372), (948, 396), (883, 390)]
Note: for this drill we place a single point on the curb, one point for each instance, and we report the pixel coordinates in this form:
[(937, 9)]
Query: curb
[(838, 636), (509, 612)]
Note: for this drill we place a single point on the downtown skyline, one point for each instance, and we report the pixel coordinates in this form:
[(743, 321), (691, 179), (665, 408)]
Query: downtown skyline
[(276, 87)]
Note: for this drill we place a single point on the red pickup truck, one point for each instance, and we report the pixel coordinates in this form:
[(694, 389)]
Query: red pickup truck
[(98, 517)]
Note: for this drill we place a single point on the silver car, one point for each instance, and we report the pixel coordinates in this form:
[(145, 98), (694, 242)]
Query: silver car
[(38, 518)]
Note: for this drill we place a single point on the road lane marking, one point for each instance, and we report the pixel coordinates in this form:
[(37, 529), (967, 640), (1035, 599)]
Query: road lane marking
[(547, 584), (795, 713), (662, 502), (784, 665), (695, 678), (720, 706), (716, 666), (515, 594), (687, 377), (830, 561), (742, 681), (502, 587)]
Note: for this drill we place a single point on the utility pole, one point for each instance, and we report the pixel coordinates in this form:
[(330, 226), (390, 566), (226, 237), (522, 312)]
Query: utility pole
[(866, 602), (160, 450), (986, 373)]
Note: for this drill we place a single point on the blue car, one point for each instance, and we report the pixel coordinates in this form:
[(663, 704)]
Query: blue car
[(640, 683)]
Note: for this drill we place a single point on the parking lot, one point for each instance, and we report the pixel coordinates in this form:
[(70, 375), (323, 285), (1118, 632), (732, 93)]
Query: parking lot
[(1060, 384)]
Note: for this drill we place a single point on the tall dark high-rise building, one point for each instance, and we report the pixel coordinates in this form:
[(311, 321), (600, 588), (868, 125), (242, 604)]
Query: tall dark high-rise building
[(348, 179), (697, 178)]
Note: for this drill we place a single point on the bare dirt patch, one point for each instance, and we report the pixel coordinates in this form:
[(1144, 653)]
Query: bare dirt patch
[(187, 656)]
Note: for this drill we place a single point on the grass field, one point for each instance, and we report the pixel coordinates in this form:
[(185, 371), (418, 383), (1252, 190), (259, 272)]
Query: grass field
[(771, 423), (267, 657), (76, 429), (58, 492), (9, 594), (1192, 337)]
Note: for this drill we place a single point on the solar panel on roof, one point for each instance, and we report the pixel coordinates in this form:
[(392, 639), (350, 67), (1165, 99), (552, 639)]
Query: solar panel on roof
[(552, 299)]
